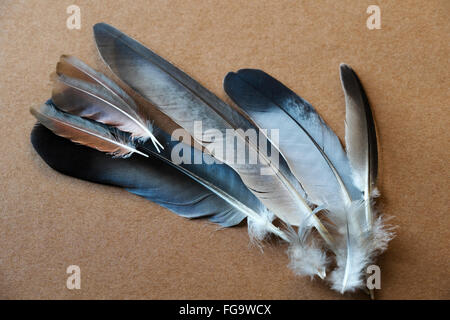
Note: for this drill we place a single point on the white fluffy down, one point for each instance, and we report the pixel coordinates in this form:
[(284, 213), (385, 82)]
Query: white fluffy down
[(357, 251), (257, 229), (307, 257), (307, 260)]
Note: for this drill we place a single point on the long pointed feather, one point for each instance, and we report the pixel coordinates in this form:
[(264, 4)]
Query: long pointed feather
[(100, 100), (186, 101), (146, 177), (220, 180), (363, 237), (360, 137), (312, 150), (362, 151), (83, 131)]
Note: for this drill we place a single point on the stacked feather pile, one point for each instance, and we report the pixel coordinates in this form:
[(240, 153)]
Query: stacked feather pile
[(315, 196)]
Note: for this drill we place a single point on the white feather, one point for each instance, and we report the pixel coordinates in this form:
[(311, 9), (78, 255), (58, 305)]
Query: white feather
[(307, 256)]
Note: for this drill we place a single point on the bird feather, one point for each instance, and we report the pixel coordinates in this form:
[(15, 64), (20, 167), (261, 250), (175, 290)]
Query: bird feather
[(362, 236), (310, 147), (84, 131), (220, 180), (103, 102), (82, 91), (360, 137), (146, 177), (186, 101)]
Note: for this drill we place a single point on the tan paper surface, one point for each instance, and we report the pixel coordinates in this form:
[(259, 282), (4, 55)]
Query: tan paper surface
[(128, 247)]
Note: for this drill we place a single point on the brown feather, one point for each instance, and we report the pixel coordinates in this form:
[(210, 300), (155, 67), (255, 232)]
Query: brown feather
[(83, 131), (82, 91)]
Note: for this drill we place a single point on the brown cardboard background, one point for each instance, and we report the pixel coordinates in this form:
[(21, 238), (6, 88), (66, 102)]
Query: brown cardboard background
[(128, 247)]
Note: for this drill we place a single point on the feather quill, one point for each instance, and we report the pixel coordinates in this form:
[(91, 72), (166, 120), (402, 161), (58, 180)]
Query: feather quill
[(358, 247), (84, 132)]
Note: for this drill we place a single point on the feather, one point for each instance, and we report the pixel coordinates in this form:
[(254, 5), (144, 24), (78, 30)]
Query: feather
[(360, 137), (99, 99), (146, 177), (318, 161), (358, 248), (84, 132), (208, 194), (89, 99), (186, 101), (311, 148), (362, 236), (307, 168)]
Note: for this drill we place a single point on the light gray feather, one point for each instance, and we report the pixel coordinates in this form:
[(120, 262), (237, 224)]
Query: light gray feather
[(186, 101), (310, 147), (360, 136)]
